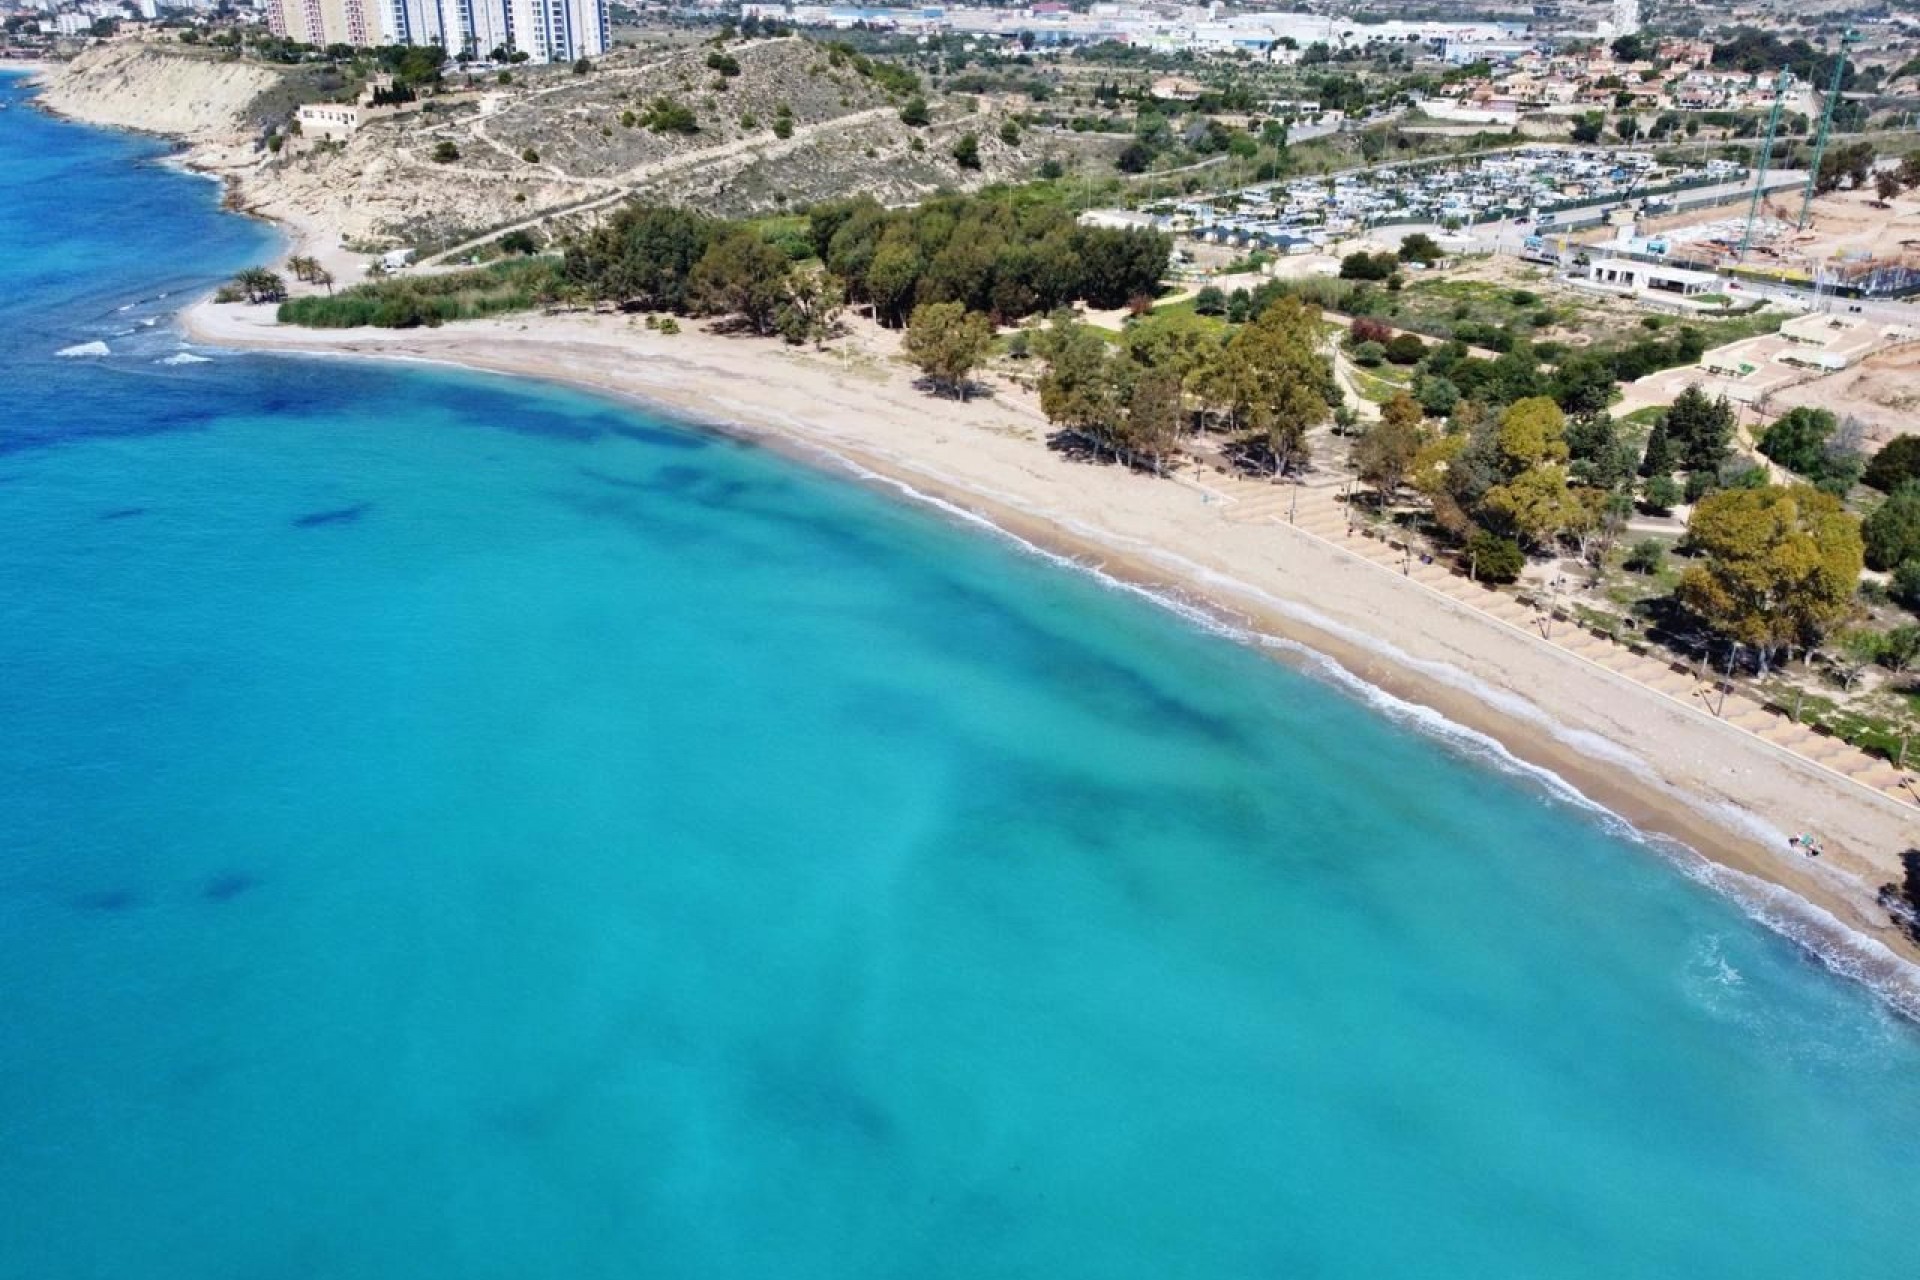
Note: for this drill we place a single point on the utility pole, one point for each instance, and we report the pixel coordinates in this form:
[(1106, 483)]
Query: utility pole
[(1780, 84), (1848, 39)]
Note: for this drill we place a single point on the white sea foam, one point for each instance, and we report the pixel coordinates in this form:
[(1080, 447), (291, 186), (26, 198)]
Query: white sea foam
[(185, 357), (80, 350)]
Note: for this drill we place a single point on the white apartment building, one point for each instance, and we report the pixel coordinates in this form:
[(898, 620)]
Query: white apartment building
[(544, 30)]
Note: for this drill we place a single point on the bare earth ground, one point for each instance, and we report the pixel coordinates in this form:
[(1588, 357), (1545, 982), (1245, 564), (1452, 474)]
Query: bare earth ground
[(1654, 756), (1882, 392)]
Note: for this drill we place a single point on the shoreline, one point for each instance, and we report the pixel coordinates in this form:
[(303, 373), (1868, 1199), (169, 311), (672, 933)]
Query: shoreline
[(1708, 795), (1735, 833)]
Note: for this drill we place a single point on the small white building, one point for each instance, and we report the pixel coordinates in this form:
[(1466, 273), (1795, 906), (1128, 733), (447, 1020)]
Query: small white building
[(1627, 276)]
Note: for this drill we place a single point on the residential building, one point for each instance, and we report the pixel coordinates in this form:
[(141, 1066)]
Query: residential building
[(544, 30), (323, 22)]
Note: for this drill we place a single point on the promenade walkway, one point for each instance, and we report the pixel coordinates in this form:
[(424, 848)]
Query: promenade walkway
[(1318, 510)]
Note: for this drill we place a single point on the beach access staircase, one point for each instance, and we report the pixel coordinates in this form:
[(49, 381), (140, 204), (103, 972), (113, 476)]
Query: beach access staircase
[(1320, 511)]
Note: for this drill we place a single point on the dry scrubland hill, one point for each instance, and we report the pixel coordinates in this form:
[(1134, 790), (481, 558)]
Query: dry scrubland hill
[(589, 136)]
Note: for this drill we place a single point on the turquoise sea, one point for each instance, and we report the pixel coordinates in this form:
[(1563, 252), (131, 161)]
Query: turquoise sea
[(455, 828)]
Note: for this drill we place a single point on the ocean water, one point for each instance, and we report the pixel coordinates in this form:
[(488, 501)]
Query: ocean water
[(451, 827)]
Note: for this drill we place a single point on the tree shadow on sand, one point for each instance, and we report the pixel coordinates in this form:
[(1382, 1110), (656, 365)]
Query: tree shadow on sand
[(1902, 898)]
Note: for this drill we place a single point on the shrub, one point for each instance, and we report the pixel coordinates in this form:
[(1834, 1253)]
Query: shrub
[(1368, 266), (582, 67), (444, 152), (725, 63), (1406, 348), (1051, 169), (966, 152), (1366, 330), (1647, 555), (915, 115), (1906, 585), (1662, 494), (1210, 301), (1369, 354), (1491, 558), (530, 156), (519, 240), (783, 126), (1892, 533), (665, 115), (1895, 464)]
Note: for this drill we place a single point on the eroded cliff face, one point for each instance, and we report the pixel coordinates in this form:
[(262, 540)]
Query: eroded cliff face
[(184, 93)]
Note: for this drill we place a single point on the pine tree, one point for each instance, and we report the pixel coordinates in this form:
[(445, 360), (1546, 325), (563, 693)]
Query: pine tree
[(1658, 459)]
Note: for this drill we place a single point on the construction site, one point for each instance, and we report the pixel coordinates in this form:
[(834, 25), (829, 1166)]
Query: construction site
[(1851, 243)]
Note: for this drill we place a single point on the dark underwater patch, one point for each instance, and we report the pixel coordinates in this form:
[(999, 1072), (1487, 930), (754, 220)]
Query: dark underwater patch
[(123, 513), (227, 886), (338, 515), (656, 436)]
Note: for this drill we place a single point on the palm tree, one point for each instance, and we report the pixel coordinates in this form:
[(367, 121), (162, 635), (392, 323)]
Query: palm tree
[(322, 276), (261, 285)]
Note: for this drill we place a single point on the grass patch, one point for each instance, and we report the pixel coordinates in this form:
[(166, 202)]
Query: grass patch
[(517, 284)]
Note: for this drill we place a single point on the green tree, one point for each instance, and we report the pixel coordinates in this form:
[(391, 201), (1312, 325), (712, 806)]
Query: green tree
[(1491, 558), (641, 257), (1154, 413), (1420, 247), (1583, 383), (947, 342), (1535, 506), (1896, 463), (1532, 433), (1385, 452), (966, 152), (1010, 133), (1797, 440), (1662, 493), (915, 114), (893, 276), (1659, 458), (1081, 389), (812, 307), (1436, 395), (257, 284), (1271, 379), (1892, 533), (740, 275), (1700, 428), (1779, 566)]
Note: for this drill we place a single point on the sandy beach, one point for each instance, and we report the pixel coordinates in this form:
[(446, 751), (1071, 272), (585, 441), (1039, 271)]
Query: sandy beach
[(1669, 769)]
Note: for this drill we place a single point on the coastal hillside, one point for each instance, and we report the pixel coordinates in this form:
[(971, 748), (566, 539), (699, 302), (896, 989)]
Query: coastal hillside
[(194, 95), (737, 127), (753, 128)]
